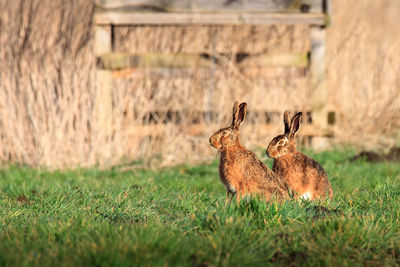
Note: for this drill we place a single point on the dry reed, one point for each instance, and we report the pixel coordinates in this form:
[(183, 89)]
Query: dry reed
[(364, 72)]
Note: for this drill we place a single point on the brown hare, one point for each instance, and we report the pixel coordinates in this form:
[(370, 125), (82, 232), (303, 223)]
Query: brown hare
[(300, 173), (240, 170)]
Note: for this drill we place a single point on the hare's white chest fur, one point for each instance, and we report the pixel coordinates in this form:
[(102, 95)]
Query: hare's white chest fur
[(306, 196), (231, 188)]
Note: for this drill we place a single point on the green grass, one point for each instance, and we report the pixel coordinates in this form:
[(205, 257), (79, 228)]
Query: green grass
[(176, 216)]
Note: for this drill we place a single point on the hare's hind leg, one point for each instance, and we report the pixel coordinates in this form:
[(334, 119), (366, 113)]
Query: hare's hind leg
[(228, 199)]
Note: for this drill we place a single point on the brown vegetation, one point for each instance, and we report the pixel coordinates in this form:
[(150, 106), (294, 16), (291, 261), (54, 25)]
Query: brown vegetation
[(364, 71), (48, 86)]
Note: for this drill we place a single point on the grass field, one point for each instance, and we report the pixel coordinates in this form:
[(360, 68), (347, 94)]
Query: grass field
[(176, 216)]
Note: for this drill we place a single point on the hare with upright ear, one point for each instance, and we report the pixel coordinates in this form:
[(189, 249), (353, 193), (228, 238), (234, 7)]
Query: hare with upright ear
[(240, 170), (301, 174)]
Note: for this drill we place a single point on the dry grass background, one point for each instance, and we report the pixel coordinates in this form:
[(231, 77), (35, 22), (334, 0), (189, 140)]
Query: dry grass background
[(364, 71), (48, 85)]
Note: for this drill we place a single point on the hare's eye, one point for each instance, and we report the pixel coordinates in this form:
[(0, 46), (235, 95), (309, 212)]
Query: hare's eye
[(281, 142), (224, 133)]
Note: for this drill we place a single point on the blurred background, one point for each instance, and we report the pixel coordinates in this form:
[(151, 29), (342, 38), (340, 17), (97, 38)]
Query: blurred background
[(53, 112)]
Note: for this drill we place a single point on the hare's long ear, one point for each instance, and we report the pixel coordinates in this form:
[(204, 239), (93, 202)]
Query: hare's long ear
[(235, 113), (241, 115), (286, 121), (294, 127)]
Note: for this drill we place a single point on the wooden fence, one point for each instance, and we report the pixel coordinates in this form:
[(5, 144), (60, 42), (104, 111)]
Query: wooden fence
[(115, 13)]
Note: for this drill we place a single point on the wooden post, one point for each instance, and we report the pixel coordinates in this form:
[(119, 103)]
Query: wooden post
[(319, 94), (318, 81), (103, 104)]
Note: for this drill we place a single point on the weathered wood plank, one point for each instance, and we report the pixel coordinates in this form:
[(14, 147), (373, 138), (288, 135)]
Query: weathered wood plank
[(327, 8), (121, 18), (120, 61), (102, 39), (319, 94), (286, 6), (103, 98), (283, 59), (270, 73)]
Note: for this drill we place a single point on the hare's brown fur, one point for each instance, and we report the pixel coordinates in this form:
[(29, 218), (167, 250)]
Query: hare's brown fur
[(239, 169), (301, 174)]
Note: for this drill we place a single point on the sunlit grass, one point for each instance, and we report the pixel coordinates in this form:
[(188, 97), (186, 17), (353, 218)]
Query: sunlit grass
[(176, 216)]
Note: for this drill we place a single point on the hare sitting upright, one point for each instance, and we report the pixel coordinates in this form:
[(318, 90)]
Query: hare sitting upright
[(301, 174), (239, 169)]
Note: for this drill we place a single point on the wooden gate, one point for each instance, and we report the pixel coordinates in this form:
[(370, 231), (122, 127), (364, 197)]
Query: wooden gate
[(113, 13)]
